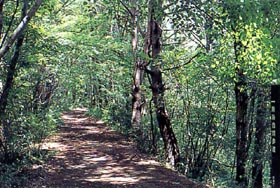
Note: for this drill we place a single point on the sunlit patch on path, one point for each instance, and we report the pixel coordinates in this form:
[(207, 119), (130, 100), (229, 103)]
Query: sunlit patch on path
[(90, 154)]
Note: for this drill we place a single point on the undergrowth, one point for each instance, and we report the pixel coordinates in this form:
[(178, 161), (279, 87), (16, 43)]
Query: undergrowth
[(21, 155)]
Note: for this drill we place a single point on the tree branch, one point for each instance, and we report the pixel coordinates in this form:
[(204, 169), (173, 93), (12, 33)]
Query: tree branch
[(22, 25), (1, 16), (10, 24), (128, 10), (65, 4), (179, 66)]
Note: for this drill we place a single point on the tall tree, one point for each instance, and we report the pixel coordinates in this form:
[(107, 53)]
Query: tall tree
[(9, 83), (153, 48), (259, 145), (15, 42), (242, 126), (16, 35), (138, 70)]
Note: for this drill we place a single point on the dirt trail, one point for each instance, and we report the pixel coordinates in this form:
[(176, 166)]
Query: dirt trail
[(91, 155)]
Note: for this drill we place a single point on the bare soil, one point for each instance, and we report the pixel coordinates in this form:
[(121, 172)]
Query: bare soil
[(88, 154)]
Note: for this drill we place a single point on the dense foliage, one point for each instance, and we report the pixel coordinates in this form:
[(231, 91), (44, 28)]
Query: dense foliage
[(76, 53)]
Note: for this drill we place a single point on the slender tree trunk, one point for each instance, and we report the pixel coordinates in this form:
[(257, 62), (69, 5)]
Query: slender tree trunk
[(153, 43), (241, 97), (12, 68), (138, 72), (259, 148), (20, 28), (8, 86), (1, 17)]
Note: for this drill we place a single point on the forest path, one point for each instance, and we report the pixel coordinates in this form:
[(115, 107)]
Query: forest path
[(91, 155)]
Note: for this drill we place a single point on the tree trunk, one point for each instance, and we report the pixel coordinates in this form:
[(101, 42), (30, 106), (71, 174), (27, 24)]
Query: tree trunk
[(8, 86), (241, 132), (172, 156), (138, 72), (136, 95), (12, 68), (259, 148), (241, 97), (20, 28), (153, 43), (1, 17)]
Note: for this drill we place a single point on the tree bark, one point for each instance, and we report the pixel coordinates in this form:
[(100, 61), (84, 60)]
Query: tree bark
[(172, 156), (12, 67), (153, 45), (1, 17), (8, 86), (138, 72), (259, 148), (241, 98), (20, 28)]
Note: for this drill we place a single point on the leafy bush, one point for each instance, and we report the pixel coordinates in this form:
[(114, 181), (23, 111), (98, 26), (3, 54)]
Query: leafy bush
[(22, 144), (95, 112)]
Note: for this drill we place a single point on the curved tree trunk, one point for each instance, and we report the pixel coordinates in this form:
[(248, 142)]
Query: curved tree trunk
[(153, 45), (12, 67), (20, 28), (7, 88)]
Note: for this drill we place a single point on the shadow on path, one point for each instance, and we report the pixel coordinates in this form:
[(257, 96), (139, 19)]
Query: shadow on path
[(89, 154)]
